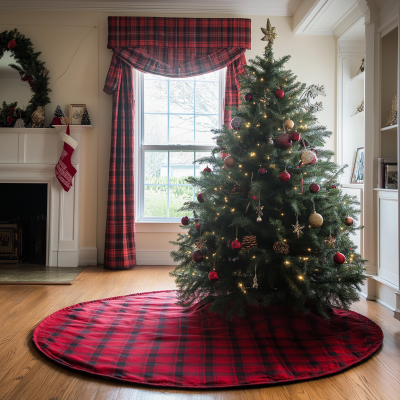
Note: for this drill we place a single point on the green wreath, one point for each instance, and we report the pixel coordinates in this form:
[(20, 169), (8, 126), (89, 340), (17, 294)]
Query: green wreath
[(30, 69)]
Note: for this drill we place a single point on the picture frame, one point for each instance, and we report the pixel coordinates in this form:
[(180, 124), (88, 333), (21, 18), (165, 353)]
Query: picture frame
[(76, 112), (358, 170), (391, 176)]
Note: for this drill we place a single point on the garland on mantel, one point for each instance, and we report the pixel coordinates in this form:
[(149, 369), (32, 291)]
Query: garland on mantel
[(29, 67)]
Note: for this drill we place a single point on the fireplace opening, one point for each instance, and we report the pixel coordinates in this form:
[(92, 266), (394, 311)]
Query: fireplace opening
[(23, 223)]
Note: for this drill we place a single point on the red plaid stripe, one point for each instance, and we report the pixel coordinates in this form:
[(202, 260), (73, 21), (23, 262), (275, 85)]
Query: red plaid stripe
[(120, 250), (146, 338), (217, 33), (173, 47)]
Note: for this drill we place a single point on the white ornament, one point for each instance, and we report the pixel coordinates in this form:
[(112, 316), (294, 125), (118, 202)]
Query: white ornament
[(19, 123), (236, 123)]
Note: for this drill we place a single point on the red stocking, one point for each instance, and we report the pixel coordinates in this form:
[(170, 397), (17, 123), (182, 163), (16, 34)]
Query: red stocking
[(65, 171)]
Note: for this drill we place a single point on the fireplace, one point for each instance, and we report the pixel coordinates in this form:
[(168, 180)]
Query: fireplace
[(23, 223), (28, 157)]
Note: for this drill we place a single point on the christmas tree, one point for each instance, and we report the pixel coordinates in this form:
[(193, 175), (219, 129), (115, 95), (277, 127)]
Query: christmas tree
[(58, 112), (271, 225), (85, 118)]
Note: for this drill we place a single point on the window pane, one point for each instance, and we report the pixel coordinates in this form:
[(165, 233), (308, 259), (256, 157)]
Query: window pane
[(155, 201), (180, 166), (207, 97), (204, 124), (177, 196), (212, 76), (181, 96), (155, 129), (181, 129), (200, 167), (155, 96), (156, 167)]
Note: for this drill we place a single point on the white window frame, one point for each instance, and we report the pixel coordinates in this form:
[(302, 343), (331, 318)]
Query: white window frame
[(140, 147)]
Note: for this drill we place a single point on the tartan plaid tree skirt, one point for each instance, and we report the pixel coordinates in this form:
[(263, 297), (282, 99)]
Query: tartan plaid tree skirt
[(146, 338)]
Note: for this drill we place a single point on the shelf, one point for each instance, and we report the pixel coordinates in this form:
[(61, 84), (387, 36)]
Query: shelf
[(385, 190), (358, 77), (388, 128), (357, 114)]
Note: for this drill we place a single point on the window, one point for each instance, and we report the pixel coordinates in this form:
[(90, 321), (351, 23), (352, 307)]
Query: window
[(175, 118)]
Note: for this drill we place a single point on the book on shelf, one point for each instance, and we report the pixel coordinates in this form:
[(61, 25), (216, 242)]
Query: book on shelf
[(391, 176), (382, 164)]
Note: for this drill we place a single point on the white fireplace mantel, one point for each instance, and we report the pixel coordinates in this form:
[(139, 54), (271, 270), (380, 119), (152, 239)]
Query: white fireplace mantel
[(29, 156)]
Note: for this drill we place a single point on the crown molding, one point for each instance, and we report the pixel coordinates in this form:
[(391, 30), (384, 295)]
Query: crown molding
[(237, 7)]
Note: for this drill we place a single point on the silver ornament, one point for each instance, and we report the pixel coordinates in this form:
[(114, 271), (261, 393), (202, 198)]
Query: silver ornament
[(308, 157), (19, 123), (236, 123), (271, 141)]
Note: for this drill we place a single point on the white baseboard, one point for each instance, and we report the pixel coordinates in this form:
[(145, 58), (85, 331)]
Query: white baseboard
[(154, 257), (385, 304), (87, 256)]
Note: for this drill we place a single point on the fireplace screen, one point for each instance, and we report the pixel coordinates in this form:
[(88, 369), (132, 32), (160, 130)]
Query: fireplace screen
[(23, 211)]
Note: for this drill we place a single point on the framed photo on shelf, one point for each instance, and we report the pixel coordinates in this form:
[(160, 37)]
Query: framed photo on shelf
[(76, 113), (358, 170), (391, 177)]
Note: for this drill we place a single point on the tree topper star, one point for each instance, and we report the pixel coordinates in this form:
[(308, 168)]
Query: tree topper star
[(269, 33), (298, 228)]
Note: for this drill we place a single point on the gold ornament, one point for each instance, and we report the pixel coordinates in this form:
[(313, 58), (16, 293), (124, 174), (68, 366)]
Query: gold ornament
[(361, 69), (38, 118), (269, 33), (315, 220), (331, 240), (289, 124), (229, 161), (308, 156), (249, 242), (265, 99), (281, 248), (255, 283), (298, 228), (201, 244), (65, 120), (392, 117)]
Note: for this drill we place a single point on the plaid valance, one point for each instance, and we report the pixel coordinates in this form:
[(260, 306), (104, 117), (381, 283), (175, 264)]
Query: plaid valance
[(217, 33)]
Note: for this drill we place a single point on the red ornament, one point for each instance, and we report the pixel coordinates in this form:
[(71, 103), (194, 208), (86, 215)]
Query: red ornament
[(197, 256), (339, 258), (295, 136), (10, 120), (248, 97), (236, 245), (262, 171), (280, 94), (283, 141), (333, 186), (284, 176), (348, 221), (314, 188), (200, 198), (255, 198), (185, 221), (207, 170), (213, 276), (11, 44), (198, 227)]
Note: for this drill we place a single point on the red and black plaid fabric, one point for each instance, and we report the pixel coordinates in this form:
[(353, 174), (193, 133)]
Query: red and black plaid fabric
[(146, 338), (173, 47), (120, 250)]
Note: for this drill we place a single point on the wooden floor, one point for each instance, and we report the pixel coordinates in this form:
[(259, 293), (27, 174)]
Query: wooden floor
[(25, 374)]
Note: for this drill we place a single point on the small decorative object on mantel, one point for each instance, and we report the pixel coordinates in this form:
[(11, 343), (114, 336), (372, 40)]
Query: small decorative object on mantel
[(19, 123), (65, 120), (361, 69), (38, 118), (392, 117), (360, 108), (76, 113), (8, 114), (85, 118)]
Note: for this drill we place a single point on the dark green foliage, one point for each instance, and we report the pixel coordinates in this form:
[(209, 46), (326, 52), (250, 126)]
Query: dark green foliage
[(9, 113), (85, 118), (305, 278), (58, 112), (29, 67)]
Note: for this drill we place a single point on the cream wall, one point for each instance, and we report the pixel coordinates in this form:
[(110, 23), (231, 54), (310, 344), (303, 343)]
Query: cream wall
[(69, 45), (78, 41)]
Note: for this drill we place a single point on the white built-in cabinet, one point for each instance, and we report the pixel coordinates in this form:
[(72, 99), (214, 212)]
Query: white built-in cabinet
[(379, 240)]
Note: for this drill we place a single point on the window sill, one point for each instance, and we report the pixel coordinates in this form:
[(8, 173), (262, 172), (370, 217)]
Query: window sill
[(158, 226)]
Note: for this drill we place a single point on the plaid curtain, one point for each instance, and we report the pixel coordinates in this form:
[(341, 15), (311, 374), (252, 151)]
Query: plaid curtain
[(173, 47)]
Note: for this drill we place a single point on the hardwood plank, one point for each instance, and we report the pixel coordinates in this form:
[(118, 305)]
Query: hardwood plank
[(25, 374)]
